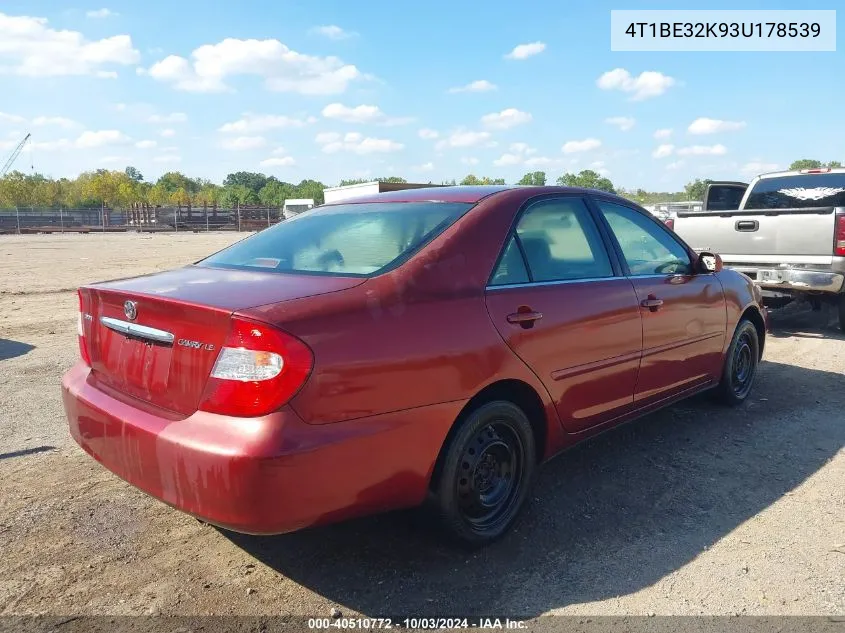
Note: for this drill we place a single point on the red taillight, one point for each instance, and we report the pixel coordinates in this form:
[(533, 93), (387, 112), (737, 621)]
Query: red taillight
[(670, 223), (80, 329), (839, 237), (821, 170), (258, 370)]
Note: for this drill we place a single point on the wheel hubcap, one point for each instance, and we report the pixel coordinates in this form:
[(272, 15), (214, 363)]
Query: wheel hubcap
[(744, 365), (489, 475)]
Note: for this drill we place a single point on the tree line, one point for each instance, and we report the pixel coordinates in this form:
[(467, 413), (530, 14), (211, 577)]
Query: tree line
[(128, 188)]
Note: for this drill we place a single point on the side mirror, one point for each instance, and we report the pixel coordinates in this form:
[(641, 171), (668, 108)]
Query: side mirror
[(709, 263)]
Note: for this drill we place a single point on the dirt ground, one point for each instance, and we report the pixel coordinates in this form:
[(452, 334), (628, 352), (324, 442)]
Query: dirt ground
[(694, 510)]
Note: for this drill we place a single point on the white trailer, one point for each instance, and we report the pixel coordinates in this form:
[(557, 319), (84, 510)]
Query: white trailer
[(349, 192)]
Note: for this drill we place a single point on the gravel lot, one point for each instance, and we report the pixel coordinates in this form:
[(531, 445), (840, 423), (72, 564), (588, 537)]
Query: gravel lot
[(694, 510)]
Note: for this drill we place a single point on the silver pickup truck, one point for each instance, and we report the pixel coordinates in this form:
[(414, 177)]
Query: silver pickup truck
[(785, 230)]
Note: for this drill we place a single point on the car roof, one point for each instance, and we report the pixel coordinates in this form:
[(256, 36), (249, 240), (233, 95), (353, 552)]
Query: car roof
[(460, 193)]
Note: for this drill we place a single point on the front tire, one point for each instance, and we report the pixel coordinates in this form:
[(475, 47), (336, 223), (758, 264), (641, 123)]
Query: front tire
[(740, 366), (486, 473)]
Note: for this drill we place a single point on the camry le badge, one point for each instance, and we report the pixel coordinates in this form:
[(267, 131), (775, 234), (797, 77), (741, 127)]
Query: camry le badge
[(130, 309)]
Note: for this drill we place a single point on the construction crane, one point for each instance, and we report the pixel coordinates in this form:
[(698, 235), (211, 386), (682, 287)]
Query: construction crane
[(14, 156)]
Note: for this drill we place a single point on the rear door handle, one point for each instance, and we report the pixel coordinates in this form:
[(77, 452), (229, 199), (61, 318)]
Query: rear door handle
[(525, 318), (652, 303)]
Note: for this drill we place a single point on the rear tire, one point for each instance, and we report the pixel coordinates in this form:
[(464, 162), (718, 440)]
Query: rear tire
[(740, 366), (486, 473)]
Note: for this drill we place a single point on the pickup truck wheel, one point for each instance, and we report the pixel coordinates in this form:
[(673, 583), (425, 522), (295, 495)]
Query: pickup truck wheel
[(487, 470), (740, 365), (842, 312)]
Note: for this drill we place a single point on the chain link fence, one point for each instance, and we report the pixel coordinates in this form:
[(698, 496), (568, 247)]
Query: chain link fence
[(22, 220)]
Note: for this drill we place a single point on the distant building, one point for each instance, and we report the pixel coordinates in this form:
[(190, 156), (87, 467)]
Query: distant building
[(337, 194), (295, 206)]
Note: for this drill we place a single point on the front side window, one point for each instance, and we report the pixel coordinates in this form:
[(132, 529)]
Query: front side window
[(346, 239), (561, 242), (647, 248)]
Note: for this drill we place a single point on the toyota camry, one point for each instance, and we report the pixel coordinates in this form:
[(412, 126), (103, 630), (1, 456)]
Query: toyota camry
[(427, 347)]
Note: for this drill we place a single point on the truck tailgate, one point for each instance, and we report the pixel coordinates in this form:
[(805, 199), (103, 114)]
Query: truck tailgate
[(761, 236)]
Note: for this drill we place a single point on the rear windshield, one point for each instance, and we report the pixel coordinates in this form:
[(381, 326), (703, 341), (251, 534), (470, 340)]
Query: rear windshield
[(798, 192), (343, 240)]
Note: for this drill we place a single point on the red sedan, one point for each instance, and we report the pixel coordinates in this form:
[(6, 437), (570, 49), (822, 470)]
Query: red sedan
[(430, 345)]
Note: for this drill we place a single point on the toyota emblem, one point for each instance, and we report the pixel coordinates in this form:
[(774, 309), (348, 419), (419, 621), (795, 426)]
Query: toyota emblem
[(130, 309)]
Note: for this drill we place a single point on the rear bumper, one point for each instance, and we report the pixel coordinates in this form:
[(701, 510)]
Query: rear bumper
[(264, 475), (793, 279)]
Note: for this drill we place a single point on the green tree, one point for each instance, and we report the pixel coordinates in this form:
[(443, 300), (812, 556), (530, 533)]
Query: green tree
[(134, 174), (697, 188), (251, 180), (172, 181), (311, 189), (472, 179), (537, 178), (274, 193), (587, 179)]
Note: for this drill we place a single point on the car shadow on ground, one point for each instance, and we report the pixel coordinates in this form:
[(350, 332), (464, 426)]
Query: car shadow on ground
[(610, 517), (799, 319), (13, 349)]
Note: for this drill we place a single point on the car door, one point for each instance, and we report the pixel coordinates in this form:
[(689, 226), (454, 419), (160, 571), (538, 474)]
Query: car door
[(558, 298), (683, 311)]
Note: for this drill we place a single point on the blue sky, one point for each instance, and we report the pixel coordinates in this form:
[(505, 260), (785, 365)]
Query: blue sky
[(211, 88)]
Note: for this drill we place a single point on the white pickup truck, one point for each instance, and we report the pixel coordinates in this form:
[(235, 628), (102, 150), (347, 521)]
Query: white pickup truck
[(785, 230)]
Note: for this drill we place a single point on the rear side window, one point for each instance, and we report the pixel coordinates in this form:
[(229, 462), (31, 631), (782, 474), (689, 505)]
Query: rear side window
[(798, 192), (343, 240), (561, 242)]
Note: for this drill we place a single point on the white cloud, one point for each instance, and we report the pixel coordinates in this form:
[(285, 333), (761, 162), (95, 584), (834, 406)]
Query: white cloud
[(663, 133), (428, 134), (54, 120), (283, 69), (167, 158), (11, 118), (758, 167), (254, 123), (169, 148), (571, 147), (524, 51), (100, 13), (703, 150), (480, 85), (241, 143), (53, 146), (645, 85), (361, 114), (425, 167), (279, 151), (356, 143), (323, 138), (173, 117), (703, 125), (469, 160), (107, 160), (279, 161), (101, 138), (517, 154), (167, 133), (540, 161), (663, 150), (146, 144), (463, 138), (29, 47), (676, 165), (624, 123), (505, 119), (106, 74), (333, 32)]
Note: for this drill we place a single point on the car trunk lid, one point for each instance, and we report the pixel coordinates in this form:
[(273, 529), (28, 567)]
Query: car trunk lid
[(156, 338)]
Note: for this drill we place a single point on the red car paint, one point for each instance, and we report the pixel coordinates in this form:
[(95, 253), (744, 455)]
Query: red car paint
[(396, 358)]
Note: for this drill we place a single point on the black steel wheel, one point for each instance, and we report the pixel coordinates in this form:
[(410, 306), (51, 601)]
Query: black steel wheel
[(485, 473), (740, 364)]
